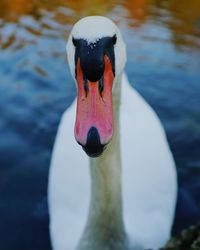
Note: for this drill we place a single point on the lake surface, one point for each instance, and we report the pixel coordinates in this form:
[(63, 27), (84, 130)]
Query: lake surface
[(163, 42)]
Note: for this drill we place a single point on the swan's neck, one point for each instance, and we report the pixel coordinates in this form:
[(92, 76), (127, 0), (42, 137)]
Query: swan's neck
[(105, 222)]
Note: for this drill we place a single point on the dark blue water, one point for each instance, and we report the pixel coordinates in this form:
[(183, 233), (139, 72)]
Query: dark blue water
[(36, 87)]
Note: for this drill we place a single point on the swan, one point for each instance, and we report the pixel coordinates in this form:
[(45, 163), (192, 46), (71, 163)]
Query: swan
[(119, 192)]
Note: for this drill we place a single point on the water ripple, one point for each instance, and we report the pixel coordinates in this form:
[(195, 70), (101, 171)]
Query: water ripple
[(35, 88)]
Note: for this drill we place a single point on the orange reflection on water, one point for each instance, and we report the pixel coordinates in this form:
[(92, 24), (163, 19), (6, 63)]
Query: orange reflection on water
[(183, 17), (187, 21), (137, 10), (12, 10)]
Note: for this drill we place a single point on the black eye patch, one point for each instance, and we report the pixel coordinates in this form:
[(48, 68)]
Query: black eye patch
[(74, 41), (114, 39)]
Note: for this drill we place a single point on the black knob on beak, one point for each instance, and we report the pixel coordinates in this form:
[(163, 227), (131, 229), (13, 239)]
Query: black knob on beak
[(93, 68), (92, 60), (92, 56)]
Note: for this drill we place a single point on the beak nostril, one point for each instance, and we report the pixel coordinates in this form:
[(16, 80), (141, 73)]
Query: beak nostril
[(101, 86), (85, 84)]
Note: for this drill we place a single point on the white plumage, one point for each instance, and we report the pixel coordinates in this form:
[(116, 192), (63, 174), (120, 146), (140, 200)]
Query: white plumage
[(149, 184)]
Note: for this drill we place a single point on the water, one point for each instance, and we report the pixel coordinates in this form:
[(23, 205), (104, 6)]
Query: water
[(163, 41)]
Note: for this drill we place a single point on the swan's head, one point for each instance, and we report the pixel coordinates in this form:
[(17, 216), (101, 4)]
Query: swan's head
[(96, 56)]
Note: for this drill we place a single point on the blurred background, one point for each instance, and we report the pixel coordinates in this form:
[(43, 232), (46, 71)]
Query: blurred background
[(163, 42)]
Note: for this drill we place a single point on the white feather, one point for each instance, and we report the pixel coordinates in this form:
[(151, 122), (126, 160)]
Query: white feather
[(149, 176)]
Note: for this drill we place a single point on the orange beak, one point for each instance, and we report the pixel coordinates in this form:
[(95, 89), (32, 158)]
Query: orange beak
[(94, 115)]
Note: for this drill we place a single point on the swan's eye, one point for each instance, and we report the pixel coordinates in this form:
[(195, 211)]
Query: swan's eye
[(74, 41), (114, 39)]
